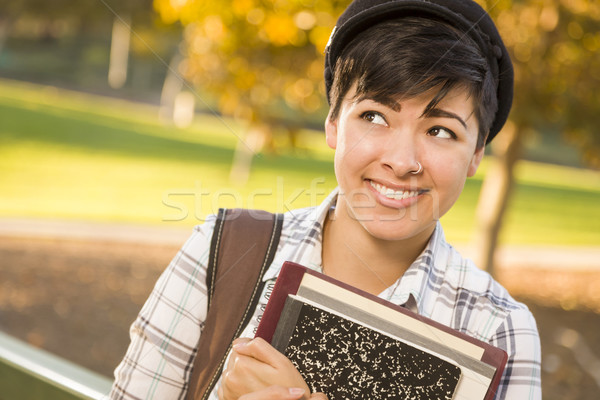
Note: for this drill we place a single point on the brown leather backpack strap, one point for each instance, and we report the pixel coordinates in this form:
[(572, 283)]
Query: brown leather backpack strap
[(243, 245)]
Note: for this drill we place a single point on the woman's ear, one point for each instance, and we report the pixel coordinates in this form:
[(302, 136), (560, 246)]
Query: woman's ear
[(331, 126), (475, 161)]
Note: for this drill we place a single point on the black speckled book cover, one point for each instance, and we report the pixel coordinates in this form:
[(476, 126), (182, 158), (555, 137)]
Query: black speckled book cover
[(347, 360)]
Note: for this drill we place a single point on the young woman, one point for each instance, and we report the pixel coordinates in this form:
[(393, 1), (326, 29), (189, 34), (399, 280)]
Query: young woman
[(416, 89)]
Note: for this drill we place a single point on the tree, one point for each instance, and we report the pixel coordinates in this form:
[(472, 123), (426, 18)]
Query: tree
[(555, 47), (256, 56)]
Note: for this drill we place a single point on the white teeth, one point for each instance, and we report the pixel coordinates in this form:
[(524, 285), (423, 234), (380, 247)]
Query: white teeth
[(392, 194)]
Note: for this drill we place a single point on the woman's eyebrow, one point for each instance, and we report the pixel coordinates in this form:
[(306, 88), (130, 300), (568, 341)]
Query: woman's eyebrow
[(383, 100), (437, 112)]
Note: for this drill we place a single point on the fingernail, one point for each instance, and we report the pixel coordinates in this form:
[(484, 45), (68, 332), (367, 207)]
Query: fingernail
[(296, 391)]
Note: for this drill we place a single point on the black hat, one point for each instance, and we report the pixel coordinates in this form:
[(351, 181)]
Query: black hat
[(465, 15)]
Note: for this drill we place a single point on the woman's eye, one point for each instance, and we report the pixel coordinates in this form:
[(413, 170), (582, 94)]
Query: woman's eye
[(373, 117), (442, 132)]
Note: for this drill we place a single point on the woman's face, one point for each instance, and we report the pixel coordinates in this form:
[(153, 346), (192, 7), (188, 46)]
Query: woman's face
[(377, 147)]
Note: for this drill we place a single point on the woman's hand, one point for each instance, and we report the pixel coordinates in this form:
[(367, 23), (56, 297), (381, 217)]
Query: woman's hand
[(281, 393), (257, 369)]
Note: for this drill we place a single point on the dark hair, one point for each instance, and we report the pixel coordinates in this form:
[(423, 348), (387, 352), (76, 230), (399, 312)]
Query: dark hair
[(409, 56)]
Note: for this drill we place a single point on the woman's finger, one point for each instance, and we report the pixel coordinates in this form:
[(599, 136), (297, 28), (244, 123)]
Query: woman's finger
[(246, 374), (275, 393), (233, 354), (259, 349)]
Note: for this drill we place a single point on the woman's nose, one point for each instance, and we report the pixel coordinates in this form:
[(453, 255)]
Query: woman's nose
[(400, 154)]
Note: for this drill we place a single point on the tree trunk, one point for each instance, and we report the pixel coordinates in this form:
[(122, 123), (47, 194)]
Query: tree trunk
[(254, 140), (494, 196), (172, 86), (119, 53)]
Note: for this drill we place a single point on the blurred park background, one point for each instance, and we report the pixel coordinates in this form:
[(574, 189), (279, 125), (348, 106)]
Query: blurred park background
[(124, 123)]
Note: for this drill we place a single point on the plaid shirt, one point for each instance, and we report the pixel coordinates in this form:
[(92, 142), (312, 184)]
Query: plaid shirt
[(440, 284)]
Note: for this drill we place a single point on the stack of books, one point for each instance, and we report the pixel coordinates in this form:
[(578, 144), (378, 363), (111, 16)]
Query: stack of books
[(350, 344)]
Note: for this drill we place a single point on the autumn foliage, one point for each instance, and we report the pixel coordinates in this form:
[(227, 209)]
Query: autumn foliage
[(555, 46), (253, 55)]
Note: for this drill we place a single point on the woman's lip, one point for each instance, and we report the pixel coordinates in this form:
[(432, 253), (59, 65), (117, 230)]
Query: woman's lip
[(392, 202), (395, 187)]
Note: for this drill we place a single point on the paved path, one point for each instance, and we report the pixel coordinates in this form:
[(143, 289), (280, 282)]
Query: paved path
[(80, 230), (523, 256), (573, 258)]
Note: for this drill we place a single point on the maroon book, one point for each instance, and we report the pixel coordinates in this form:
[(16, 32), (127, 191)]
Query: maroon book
[(342, 340)]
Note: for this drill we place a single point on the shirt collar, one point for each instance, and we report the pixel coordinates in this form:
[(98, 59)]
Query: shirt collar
[(411, 290), (302, 237), (414, 289)]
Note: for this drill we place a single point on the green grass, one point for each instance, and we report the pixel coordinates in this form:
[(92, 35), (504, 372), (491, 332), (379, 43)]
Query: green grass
[(73, 156), (68, 155)]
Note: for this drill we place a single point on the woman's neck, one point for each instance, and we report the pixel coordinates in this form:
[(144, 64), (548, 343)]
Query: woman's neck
[(354, 256)]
